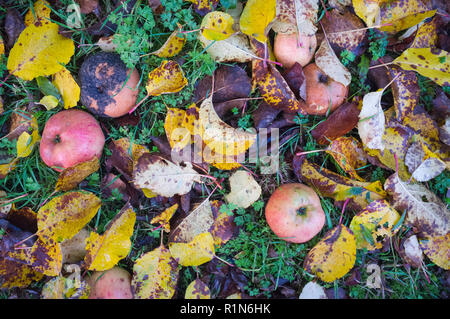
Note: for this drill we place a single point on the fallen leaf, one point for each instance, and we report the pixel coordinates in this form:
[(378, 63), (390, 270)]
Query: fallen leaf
[(256, 17), (40, 51), (339, 123), (329, 63), (177, 135), (194, 253), (413, 254), (374, 225), (395, 16), (425, 211), (367, 10), (65, 215), (313, 290), (437, 248), (104, 251), (67, 87), (244, 189), (340, 188), (197, 290), (173, 45), (371, 123), (65, 288), (26, 142), (202, 7), (107, 44), (349, 154), (235, 48), (217, 26), (155, 275), (70, 177), (422, 163), (163, 177), (426, 35), (40, 12), (49, 101), (333, 256), (17, 274), (167, 78), (296, 16), (164, 218), (430, 62)]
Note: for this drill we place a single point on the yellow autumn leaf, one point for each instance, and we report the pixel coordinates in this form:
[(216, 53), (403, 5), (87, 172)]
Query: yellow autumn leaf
[(49, 101), (194, 253), (14, 273), (255, 18), (26, 142), (167, 78), (41, 10), (348, 154), (8, 167), (44, 257), (430, 62), (70, 177), (165, 217), (39, 51), (197, 289), (400, 15), (221, 138), (367, 10), (173, 45), (155, 275), (374, 224), (104, 251), (2, 48), (177, 135), (437, 248), (333, 256), (67, 87), (65, 288), (65, 215), (217, 26)]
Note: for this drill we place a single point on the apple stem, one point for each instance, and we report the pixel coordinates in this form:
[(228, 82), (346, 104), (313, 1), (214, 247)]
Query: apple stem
[(343, 209)]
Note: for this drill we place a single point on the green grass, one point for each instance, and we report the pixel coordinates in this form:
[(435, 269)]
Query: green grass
[(265, 260)]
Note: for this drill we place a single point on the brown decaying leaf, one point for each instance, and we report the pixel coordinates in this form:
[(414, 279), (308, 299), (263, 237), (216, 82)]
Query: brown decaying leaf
[(70, 177), (349, 154), (341, 30), (88, 6), (273, 87), (295, 78), (202, 7), (339, 123), (422, 163), (294, 16), (230, 82), (14, 25)]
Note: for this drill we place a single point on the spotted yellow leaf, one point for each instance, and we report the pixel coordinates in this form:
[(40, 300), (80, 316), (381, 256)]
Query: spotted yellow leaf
[(70, 177), (26, 142), (40, 51), (104, 251), (217, 26), (349, 154), (197, 289), (177, 135), (430, 62), (167, 78), (374, 224), (155, 275), (173, 45), (65, 215), (194, 253), (14, 273), (333, 256), (41, 10), (437, 248), (165, 217)]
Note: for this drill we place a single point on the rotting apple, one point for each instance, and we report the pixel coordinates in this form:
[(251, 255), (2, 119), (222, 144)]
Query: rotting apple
[(294, 213), (114, 283), (291, 48), (108, 88), (70, 137), (323, 94)]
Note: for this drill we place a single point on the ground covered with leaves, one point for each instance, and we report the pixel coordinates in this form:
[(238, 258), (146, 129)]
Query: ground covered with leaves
[(378, 161)]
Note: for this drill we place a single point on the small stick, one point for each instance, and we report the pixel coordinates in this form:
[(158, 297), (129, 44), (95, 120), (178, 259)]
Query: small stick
[(136, 106)]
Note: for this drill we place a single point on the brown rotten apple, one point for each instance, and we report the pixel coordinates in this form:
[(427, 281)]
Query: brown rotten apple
[(290, 48), (70, 137), (322, 92), (294, 213), (108, 88)]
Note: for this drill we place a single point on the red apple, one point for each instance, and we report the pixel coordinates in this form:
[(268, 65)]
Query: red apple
[(291, 48), (71, 137), (322, 92), (294, 213), (114, 283)]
